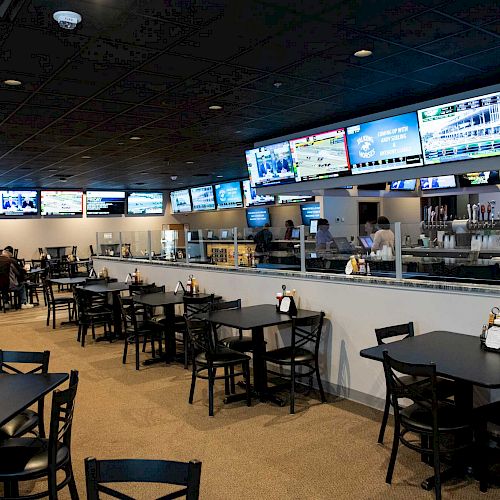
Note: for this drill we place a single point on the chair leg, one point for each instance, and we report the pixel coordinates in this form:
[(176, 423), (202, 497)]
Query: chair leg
[(226, 381), (211, 380), (72, 484), (84, 334), (52, 485), (292, 389), (185, 351), (54, 318), (93, 331), (437, 468), (137, 346), (394, 453), (11, 489), (320, 385), (48, 315), (193, 383), (233, 386), (384, 418), (246, 371), (125, 350)]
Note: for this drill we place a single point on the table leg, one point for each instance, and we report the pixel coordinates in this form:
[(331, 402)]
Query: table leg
[(169, 354), (117, 321)]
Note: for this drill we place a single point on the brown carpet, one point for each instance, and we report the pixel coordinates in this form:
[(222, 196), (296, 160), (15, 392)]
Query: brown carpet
[(325, 451)]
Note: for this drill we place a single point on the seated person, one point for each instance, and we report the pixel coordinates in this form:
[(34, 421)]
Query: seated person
[(384, 235), (323, 236), (16, 278)]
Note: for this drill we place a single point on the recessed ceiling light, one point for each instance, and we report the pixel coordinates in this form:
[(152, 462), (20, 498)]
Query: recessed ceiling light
[(12, 83), (135, 138), (121, 143), (363, 53), (63, 180), (52, 170), (277, 84), (86, 157), (173, 177), (219, 176), (215, 107), (143, 173), (190, 162)]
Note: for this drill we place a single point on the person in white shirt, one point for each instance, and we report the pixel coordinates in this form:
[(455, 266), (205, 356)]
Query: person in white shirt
[(384, 235)]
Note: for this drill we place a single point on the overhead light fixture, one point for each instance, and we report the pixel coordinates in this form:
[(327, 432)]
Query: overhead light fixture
[(12, 83), (173, 177), (277, 84), (135, 138), (120, 143), (86, 157), (67, 19), (363, 53), (215, 107), (189, 162)]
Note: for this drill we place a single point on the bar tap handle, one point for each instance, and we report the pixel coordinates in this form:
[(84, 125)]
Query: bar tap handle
[(469, 212)]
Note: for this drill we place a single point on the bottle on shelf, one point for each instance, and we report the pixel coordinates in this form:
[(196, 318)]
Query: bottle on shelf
[(189, 289)]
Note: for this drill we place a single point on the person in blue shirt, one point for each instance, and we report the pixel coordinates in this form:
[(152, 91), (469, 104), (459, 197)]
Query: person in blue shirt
[(323, 236)]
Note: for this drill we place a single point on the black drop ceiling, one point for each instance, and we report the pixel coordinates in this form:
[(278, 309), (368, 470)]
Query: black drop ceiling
[(151, 68)]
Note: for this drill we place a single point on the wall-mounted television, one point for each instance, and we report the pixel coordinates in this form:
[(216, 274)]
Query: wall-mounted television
[(228, 195), (253, 199), (386, 144), (61, 203), (295, 198), (406, 185), (145, 203), (105, 203), (379, 186), (18, 203), (320, 156), (479, 178), (180, 201), (310, 212), (441, 182), (272, 164), (203, 198), (258, 216), (461, 130)]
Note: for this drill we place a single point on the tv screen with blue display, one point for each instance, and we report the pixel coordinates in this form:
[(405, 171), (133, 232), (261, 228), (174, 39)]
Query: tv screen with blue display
[(252, 198), (406, 185), (386, 144), (228, 195), (310, 212), (180, 201), (441, 182), (203, 198), (258, 216), (61, 203), (14, 203), (461, 130), (479, 178), (272, 164), (145, 203), (105, 203)]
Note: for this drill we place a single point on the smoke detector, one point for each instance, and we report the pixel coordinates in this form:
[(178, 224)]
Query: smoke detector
[(173, 177), (67, 19)]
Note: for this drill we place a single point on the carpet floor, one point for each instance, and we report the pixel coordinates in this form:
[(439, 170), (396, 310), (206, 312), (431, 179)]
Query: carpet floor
[(324, 451)]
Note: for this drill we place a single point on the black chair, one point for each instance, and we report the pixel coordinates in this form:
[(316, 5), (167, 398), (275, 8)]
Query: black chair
[(57, 304), (27, 420), (73, 250), (91, 314), (16, 253), (100, 472), (304, 331), (28, 459), (91, 250), (34, 285), (207, 357), (446, 387), (447, 430)]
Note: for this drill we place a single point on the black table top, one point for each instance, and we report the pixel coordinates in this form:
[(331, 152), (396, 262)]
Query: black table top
[(456, 356), (18, 392), (107, 287), (165, 298), (68, 281), (250, 317)]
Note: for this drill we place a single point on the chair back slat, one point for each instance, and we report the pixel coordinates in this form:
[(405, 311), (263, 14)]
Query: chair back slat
[(225, 305), (200, 335), (48, 291), (404, 330), (10, 358), (99, 472), (198, 307), (306, 330)]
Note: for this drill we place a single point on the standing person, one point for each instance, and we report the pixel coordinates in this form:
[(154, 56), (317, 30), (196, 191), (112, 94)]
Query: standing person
[(16, 277), (289, 225), (262, 240), (323, 236), (384, 235)]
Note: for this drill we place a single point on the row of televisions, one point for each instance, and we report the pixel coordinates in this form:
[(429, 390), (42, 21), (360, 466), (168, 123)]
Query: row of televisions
[(70, 203), (461, 130)]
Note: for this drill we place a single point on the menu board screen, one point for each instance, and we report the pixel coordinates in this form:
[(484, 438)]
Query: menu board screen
[(479, 178), (461, 130), (310, 212), (386, 144), (62, 203), (406, 185), (203, 198), (258, 216), (320, 156), (441, 182), (18, 203), (105, 202), (296, 198), (145, 203), (252, 198), (270, 164), (180, 201), (228, 195)]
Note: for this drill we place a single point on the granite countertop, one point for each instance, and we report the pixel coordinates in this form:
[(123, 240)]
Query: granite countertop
[(469, 288)]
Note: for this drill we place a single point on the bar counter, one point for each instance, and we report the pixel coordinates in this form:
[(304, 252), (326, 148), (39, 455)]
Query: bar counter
[(354, 307)]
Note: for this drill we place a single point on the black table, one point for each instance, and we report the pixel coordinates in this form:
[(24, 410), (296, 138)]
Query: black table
[(167, 300), (60, 250), (18, 392), (68, 281), (256, 318)]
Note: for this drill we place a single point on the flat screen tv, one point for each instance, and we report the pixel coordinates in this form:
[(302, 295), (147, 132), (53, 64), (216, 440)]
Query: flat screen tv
[(479, 178), (180, 201), (272, 164), (386, 144), (258, 216), (461, 130), (253, 199), (406, 185), (18, 203), (203, 198), (295, 198), (320, 156), (145, 203), (228, 195), (379, 186), (441, 182), (105, 203), (61, 203), (310, 212)]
